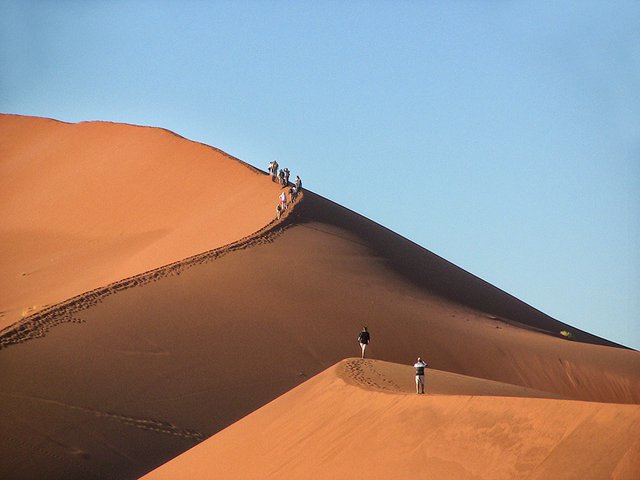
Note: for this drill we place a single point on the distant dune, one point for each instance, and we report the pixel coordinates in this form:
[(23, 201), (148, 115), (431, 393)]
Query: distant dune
[(176, 305)]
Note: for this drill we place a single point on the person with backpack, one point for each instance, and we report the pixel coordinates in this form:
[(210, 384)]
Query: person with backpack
[(420, 365), (364, 338)]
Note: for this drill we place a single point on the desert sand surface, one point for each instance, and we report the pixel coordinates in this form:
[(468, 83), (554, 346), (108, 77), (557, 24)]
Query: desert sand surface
[(363, 419), (84, 205), (118, 379)]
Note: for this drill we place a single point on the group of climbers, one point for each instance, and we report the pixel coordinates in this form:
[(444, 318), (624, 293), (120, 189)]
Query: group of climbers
[(282, 177)]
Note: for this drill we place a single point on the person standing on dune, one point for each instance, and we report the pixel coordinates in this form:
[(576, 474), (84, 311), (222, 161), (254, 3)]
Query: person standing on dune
[(364, 338), (273, 170), (420, 366), (270, 168)]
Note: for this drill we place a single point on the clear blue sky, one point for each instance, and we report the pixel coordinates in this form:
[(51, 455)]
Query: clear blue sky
[(502, 135)]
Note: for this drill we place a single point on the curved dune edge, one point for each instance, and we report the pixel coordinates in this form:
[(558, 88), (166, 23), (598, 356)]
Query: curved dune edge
[(37, 324), (87, 204), (356, 420), (392, 378), (434, 274)]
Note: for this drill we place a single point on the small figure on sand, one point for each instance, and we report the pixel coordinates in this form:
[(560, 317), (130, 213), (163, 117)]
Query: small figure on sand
[(273, 170), (283, 201), (293, 193), (363, 339), (286, 177), (298, 184), (420, 365), (278, 211)]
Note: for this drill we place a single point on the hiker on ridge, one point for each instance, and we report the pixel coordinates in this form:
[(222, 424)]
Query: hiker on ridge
[(273, 170), (364, 338)]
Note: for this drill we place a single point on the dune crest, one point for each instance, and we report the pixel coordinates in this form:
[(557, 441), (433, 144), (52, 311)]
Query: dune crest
[(398, 379), (84, 205)]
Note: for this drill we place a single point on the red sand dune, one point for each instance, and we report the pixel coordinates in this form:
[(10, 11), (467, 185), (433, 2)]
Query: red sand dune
[(360, 419), (152, 360), (84, 205)]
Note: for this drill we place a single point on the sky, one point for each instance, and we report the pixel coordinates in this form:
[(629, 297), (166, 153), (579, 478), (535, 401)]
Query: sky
[(503, 136)]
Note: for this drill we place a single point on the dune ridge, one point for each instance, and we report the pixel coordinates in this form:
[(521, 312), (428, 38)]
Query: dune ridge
[(142, 370), (435, 274), (36, 325), (88, 204)]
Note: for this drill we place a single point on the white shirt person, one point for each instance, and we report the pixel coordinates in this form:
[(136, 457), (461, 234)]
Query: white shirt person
[(420, 365)]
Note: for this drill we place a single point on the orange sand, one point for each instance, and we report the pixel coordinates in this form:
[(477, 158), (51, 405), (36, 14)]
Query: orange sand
[(145, 352), (361, 419), (84, 205)]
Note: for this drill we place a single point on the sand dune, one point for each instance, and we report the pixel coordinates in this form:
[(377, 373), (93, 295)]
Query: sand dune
[(359, 419), (174, 339), (84, 205)]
